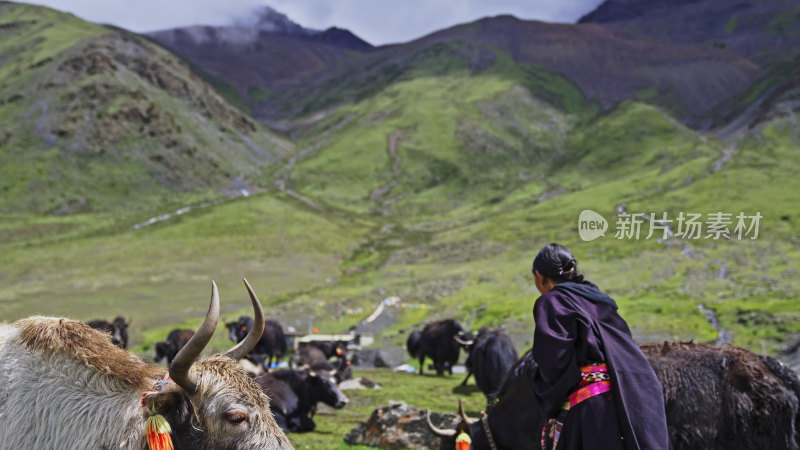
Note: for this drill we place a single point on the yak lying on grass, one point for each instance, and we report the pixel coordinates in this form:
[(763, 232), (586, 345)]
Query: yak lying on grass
[(295, 394), (716, 397)]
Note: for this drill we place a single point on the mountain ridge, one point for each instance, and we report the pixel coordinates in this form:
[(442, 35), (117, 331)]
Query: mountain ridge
[(608, 66)]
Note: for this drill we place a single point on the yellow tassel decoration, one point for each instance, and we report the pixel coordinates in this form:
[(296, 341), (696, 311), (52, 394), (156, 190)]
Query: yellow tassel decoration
[(157, 430)]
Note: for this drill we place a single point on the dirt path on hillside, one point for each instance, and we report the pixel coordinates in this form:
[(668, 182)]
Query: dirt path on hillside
[(376, 194), (283, 175), (394, 139)]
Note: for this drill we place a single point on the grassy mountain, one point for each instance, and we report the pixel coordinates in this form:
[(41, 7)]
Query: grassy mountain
[(98, 119)]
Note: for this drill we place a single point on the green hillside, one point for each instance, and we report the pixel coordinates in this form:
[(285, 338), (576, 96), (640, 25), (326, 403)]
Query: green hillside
[(99, 119), (467, 239), (436, 182)]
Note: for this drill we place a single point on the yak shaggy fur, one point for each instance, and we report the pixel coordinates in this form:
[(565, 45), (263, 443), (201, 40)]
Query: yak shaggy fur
[(725, 397)]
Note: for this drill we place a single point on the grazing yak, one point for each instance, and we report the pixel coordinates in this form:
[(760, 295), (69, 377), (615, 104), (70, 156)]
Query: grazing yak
[(716, 397), (64, 385), (176, 340), (490, 355), (308, 388), (436, 342), (271, 345), (118, 329)]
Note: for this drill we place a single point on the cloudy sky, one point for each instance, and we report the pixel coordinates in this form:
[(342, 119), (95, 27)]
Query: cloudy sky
[(377, 21)]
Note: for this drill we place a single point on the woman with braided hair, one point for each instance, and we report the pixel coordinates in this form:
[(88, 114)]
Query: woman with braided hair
[(593, 381)]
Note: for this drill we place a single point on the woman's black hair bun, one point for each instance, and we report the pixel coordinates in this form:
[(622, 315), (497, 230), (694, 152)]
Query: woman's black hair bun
[(556, 262)]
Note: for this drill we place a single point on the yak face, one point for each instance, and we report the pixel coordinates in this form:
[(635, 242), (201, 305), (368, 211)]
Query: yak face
[(323, 387), (228, 410), (236, 332), (120, 334), (213, 403), (118, 329), (162, 351)]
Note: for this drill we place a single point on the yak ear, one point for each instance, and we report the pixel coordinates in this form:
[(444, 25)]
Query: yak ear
[(171, 403)]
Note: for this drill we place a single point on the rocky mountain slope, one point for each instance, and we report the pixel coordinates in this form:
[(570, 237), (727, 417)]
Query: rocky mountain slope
[(259, 54), (96, 118), (763, 31), (606, 66)]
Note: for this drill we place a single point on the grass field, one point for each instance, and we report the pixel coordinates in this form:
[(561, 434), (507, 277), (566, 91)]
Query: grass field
[(452, 249)]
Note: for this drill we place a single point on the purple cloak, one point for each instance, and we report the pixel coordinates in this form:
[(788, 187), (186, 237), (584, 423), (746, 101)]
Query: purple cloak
[(575, 330)]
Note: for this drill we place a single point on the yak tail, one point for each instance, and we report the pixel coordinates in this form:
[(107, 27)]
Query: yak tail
[(789, 377)]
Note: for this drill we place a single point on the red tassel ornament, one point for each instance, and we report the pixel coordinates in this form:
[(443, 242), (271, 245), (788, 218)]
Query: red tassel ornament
[(157, 430), (463, 441)]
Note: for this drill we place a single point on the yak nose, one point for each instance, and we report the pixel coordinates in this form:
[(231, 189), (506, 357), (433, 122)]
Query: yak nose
[(341, 401)]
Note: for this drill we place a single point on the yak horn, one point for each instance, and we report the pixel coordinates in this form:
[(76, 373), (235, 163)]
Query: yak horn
[(463, 414), (179, 369), (243, 348), (465, 343), (436, 430)]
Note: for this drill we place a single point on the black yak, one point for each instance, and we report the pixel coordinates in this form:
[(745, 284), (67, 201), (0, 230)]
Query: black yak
[(490, 355), (436, 342)]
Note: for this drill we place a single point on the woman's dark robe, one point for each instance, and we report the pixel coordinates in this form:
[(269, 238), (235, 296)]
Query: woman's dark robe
[(631, 415)]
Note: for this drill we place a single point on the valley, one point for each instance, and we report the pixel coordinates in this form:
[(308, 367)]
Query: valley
[(432, 171)]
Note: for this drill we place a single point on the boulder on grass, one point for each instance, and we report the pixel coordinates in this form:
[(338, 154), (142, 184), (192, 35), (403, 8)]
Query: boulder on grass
[(400, 425)]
